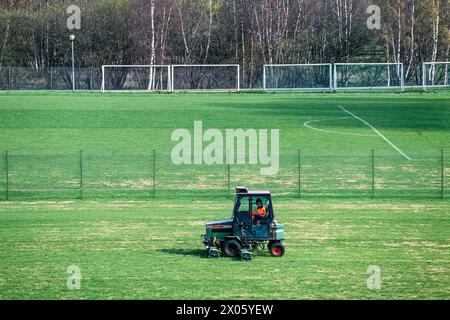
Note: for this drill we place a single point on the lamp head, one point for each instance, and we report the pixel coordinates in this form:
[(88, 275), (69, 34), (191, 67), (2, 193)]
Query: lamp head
[(72, 37)]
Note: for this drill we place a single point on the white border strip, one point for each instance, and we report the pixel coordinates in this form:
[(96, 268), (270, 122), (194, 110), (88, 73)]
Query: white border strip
[(135, 65), (377, 132), (437, 62), (368, 63), (298, 65)]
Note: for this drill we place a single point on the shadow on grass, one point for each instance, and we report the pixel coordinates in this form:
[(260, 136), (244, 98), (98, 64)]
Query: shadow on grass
[(194, 253), (200, 253), (204, 255)]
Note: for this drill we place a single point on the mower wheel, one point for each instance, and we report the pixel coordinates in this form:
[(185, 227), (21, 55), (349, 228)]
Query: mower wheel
[(231, 248), (276, 249)]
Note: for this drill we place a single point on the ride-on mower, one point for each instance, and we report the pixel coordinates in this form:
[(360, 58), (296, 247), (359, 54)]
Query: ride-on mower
[(252, 225)]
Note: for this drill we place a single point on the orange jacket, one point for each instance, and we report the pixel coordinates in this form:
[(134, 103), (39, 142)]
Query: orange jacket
[(259, 211)]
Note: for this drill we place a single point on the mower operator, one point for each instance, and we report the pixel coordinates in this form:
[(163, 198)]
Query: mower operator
[(260, 212)]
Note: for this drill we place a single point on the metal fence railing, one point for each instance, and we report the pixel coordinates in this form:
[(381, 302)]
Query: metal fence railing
[(147, 174)]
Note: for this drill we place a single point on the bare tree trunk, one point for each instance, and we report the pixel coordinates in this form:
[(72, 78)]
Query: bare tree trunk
[(243, 44), (163, 40), (300, 4), (436, 21), (187, 52), (5, 40), (208, 42), (164, 33), (411, 51), (151, 83), (9, 6), (339, 20), (260, 34), (268, 29), (252, 54), (236, 43), (399, 34)]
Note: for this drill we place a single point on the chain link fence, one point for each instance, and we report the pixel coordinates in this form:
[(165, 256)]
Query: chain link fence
[(86, 79), (148, 174), (52, 78), (90, 79)]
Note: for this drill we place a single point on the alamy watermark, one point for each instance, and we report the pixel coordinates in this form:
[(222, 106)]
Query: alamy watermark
[(374, 279), (374, 21), (74, 20), (229, 147), (74, 278)]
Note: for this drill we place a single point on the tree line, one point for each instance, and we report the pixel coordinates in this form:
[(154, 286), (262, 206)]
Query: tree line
[(251, 33)]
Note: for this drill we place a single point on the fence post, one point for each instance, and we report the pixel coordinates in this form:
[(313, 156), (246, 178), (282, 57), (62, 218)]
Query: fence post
[(373, 173), (51, 78), (91, 80), (9, 78), (442, 174), (299, 172), (228, 180), (154, 173), (7, 174), (81, 174)]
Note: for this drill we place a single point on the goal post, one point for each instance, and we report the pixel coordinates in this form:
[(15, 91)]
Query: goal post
[(298, 77), (206, 77), (136, 78), (435, 74), (369, 76)]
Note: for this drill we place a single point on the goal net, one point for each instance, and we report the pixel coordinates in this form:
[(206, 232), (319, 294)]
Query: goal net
[(369, 76), (208, 77), (436, 74), (126, 78), (297, 77)]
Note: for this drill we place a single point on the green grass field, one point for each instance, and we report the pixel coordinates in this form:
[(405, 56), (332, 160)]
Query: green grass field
[(117, 133), (131, 245), (152, 250)]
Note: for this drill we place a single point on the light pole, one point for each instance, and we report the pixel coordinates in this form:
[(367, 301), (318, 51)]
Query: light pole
[(72, 38)]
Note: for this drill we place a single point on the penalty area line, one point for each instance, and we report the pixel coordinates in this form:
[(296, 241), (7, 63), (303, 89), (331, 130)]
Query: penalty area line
[(377, 132)]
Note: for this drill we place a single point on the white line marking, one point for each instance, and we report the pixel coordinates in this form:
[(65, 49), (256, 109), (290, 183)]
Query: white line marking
[(309, 126), (377, 132)]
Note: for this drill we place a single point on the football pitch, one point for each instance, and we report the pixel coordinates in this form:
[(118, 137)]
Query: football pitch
[(363, 180)]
